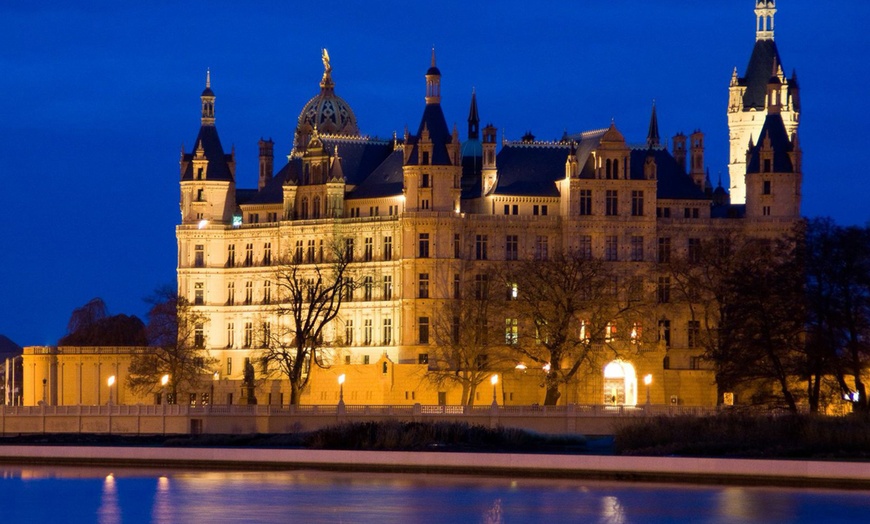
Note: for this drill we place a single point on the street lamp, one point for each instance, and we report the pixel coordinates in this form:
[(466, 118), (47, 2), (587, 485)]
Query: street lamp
[(341, 394), (647, 380), (217, 376), (163, 381), (494, 381), (110, 382)]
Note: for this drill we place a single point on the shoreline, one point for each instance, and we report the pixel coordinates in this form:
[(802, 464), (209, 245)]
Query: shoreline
[(747, 472)]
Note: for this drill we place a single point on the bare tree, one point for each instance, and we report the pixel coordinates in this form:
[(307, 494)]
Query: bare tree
[(308, 298), (91, 325), (572, 307), (176, 348), (471, 337)]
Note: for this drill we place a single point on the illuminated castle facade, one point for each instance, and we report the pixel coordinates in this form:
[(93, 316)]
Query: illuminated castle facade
[(427, 210)]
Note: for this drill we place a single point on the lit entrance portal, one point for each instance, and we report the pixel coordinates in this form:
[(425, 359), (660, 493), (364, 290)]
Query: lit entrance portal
[(620, 384)]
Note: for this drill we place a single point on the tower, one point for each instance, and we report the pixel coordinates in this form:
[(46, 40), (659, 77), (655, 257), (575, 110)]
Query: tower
[(748, 98)]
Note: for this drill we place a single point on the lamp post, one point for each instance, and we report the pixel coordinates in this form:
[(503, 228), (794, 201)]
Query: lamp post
[(163, 381), (647, 380), (110, 382), (341, 379), (44, 384), (216, 376), (494, 381)]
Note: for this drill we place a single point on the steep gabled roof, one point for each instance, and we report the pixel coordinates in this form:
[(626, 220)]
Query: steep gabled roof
[(762, 65), (434, 122), (218, 167), (386, 180), (672, 182), (773, 129)]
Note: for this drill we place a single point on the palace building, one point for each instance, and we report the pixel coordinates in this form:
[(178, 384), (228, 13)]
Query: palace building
[(434, 208)]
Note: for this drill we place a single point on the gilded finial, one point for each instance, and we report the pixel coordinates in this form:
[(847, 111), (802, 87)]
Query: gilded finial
[(433, 55), (208, 77)]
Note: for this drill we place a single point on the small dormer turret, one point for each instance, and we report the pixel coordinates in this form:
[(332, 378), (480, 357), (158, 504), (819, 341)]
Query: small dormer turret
[(489, 171), (697, 159)]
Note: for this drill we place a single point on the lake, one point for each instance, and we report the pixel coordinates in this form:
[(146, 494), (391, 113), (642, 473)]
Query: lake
[(115, 495)]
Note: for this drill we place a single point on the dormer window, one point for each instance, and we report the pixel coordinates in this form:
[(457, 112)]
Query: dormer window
[(199, 173), (425, 158), (767, 166), (425, 181)]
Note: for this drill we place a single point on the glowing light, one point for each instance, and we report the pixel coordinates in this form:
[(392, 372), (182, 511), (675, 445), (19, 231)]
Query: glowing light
[(341, 379), (217, 375), (111, 381), (494, 380), (202, 223), (647, 380), (547, 367), (164, 380), (521, 366)]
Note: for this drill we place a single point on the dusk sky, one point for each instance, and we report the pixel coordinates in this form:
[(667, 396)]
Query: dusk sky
[(97, 98)]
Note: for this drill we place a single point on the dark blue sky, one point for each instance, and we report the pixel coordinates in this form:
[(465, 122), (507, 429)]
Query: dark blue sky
[(96, 99)]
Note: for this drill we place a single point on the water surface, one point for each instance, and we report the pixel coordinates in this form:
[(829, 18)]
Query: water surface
[(115, 495)]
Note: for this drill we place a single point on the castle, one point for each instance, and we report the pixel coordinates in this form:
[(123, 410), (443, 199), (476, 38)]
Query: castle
[(426, 213)]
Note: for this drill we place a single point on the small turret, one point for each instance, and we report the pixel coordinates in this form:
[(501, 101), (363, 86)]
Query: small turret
[(652, 136), (433, 83), (679, 152), (764, 11), (266, 162), (697, 155)]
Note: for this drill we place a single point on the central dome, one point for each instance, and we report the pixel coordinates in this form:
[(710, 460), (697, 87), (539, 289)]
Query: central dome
[(326, 112)]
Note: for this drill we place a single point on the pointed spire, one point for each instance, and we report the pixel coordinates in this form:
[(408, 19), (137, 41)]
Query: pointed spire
[(473, 118), (207, 98), (208, 78), (652, 137), (433, 82)]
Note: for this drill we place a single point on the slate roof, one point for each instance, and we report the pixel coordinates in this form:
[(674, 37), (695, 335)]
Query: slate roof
[(386, 180), (433, 120), (672, 182), (773, 128), (758, 73), (532, 169), (218, 168)]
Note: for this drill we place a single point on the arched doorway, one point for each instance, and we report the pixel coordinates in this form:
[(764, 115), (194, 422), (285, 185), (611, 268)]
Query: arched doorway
[(620, 384)]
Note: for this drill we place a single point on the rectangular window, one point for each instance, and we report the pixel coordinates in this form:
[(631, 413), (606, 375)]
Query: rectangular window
[(199, 256), (388, 331), (765, 187), (663, 212), (481, 285), (664, 254), (456, 246), (456, 286), (455, 330), (309, 252), (424, 204), (249, 255), (267, 334), (367, 332), (299, 251), (348, 332), (199, 294), (423, 358), (663, 293), (368, 286), (423, 329), (512, 247), (637, 203), (348, 290), (388, 248), (388, 287), (535, 210), (511, 333), (694, 333), (585, 247), (249, 335), (348, 249), (231, 293), (423, 245), (231, 334), (267, 292), (480, 247), (611, 248), (585, 202), (665, 332), (267, 254), (249, 293), (611, 201), (637, 249), (368, 249), (694, 253), (229, 366), (765, 211), (231, 255), (423, 289), (542, 248)]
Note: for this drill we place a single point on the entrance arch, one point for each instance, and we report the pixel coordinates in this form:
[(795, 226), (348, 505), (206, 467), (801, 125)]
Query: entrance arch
[(620, 384)]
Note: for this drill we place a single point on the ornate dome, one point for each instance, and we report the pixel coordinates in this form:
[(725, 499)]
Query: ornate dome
[(326, 112)]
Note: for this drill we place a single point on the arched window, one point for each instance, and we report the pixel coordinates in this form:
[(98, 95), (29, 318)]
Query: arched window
[(620, 384), (316, 209), (608, 173), (304, 212)]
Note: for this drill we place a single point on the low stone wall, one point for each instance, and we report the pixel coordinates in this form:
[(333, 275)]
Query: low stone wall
[(176, 419), (735, 471)]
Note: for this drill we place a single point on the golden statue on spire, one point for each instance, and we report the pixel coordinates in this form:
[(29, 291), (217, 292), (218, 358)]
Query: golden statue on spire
[(325, 56)]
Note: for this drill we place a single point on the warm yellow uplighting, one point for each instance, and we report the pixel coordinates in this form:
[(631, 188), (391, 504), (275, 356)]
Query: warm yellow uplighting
[(217, 375)]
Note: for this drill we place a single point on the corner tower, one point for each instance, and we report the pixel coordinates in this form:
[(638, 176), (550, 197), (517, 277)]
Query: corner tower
[(748, 104)]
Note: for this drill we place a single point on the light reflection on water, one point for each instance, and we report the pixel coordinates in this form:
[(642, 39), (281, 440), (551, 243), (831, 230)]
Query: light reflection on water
[(111, 496)]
